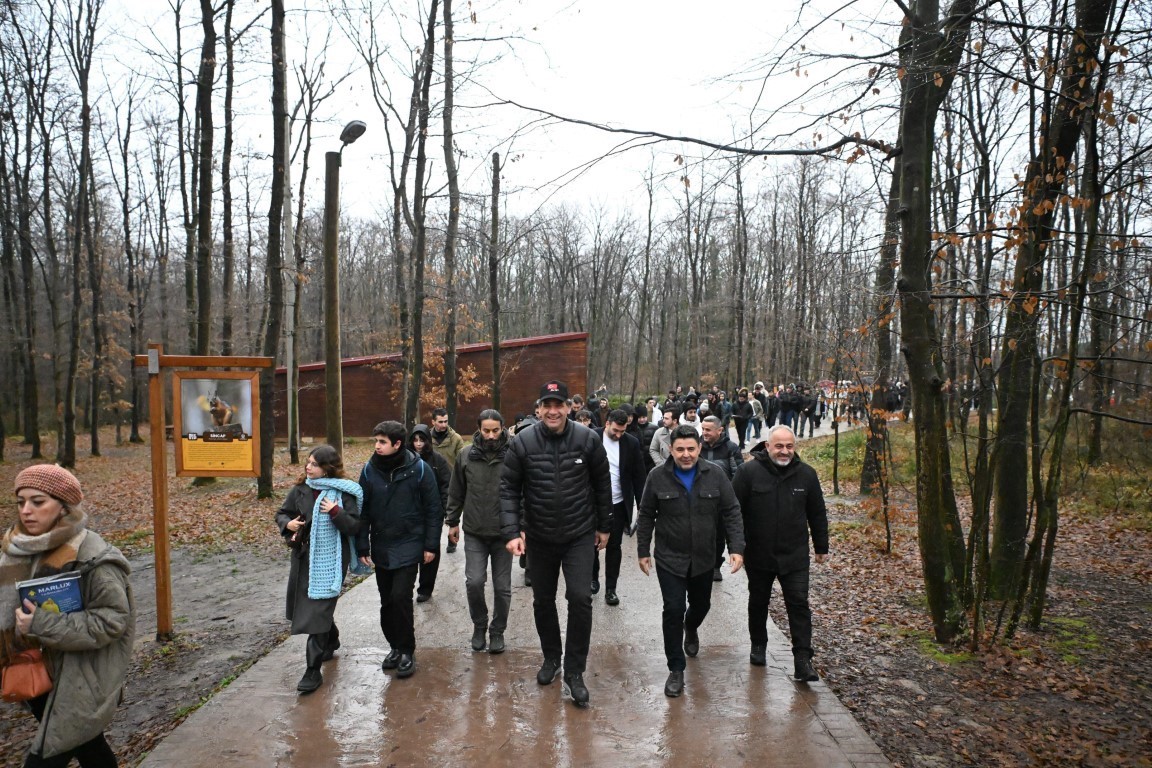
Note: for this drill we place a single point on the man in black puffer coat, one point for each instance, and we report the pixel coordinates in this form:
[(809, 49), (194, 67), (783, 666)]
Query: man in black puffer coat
[(781, 502), (556, 501)]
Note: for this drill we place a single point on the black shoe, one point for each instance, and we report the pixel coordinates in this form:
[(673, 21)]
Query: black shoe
[(717, 575), (611, 597), (423, 597), (527, 579), (758, 657), (595, 586), (478, 638), (548, 671), (496, 642), (675, 684), (804, 673), (407, 665), (630, 530), (330, 652), (691, 642), (391, 660), (574, 687), (450, 548), (311, 680)]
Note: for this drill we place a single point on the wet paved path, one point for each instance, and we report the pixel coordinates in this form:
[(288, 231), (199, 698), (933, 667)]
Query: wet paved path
[(483, 710)]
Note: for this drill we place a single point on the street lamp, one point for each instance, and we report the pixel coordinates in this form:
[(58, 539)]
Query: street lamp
[(334, 407)]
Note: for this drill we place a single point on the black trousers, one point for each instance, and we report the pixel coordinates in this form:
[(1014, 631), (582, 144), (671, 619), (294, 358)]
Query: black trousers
[(320, 643), (545, 562), (396, 619), (428, 573), (94, 753), (687, 600), (612, 555), (794, 587)]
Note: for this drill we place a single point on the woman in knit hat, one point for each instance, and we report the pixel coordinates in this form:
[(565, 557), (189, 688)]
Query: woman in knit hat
[(319, 519), (87, 652)]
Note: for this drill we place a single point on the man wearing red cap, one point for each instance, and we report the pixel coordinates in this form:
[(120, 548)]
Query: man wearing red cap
[(556, 501)]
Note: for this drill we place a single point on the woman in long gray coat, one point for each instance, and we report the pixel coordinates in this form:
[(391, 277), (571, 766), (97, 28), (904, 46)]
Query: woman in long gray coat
[(319, 519)]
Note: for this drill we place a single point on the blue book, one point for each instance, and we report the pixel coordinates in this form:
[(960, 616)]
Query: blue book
[(59, 593)]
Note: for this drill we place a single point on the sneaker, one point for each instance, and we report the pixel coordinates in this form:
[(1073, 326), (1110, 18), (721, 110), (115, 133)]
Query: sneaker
[(311, 680), (595, 586), (717, 575), (804, 673), (423, 597), (574, 687), (758, 657), (496, 642), (478, 638), (391, 660), (407, 665), (611, 597), (548, 671), (675, 684), (691, 642)]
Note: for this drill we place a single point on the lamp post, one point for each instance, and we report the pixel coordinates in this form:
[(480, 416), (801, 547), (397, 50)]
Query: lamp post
[(334, 406)]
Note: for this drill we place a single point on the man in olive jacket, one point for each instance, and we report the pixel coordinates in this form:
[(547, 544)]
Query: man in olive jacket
[(684, 501), (782, 503), (556, 502)]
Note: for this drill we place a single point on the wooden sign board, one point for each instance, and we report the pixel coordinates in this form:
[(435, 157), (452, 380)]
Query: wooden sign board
[(216, 423)]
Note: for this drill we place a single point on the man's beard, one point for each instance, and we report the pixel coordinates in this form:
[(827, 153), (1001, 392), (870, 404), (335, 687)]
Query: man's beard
[(780, 463), (491, 443)]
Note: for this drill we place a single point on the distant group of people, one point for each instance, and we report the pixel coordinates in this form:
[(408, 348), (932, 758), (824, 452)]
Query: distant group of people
[(557, 488)]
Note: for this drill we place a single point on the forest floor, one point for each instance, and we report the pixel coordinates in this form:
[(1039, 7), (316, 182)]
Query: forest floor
[(1076, 692)]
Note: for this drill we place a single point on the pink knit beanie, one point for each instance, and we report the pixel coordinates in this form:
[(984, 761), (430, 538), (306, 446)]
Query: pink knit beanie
[(52, 480)]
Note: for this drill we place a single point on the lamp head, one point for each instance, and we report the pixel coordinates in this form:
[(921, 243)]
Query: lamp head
[(352, 131)]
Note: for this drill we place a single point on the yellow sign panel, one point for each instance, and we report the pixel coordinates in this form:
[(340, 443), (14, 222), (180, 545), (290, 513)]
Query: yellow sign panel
[(216, 419)]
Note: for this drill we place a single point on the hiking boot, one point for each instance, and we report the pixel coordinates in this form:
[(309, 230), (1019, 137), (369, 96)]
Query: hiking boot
[(759, 655), (674, 686), (804, 673), (478, 638), (391, 660), (691, 642), (548, 671), (406, 666), (574, 687), (311, 680), (496, 642)]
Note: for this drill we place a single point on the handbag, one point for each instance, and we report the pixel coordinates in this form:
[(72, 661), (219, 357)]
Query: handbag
[(25, 677)]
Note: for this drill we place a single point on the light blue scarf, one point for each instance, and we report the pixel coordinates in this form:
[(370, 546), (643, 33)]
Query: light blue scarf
[(325, 564)]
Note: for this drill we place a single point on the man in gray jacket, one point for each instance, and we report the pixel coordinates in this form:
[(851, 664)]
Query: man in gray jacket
[(474, 494), (683, 502), (556, 501)]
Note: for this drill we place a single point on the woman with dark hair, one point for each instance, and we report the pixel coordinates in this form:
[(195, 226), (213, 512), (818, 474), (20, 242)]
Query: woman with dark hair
[(86, 651), (319, 520)]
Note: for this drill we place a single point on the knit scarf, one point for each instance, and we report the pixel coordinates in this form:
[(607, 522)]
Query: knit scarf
[(325, 564), (24, 556)]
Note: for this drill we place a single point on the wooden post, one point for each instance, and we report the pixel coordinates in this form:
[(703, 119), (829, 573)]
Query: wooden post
[(160, 542)]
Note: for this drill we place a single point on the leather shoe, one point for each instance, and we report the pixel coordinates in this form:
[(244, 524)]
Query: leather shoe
[(311, 680), (675, 684), (758, 657), (630, 530), (611, 597), (595, 586), (450, 548), (548, 671), (804, 672), (478, 638), (717, 575), (407, 665), (527, 579), (574, 687), (391, 660), (496, 642), (691, 642), (423, 597)]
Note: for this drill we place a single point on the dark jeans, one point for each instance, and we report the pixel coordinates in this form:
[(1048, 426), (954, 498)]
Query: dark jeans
[(794, 587), (686, 603), (545, 562), (754, 426), (741, 430), (477, 551), (788, 418), (612, 556), (396, 621), (94, 753), (428, 573)]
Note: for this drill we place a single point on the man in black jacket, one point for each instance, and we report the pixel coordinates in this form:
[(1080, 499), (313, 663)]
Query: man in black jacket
[(627, 474), (718, 449), (684, 501), (422, 444), (556, 500), (474, 494), (782, 504)]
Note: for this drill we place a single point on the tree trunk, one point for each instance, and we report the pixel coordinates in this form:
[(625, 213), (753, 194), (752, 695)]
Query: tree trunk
[(494, 279), (226, 346), (450, 235), (204, 81)]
